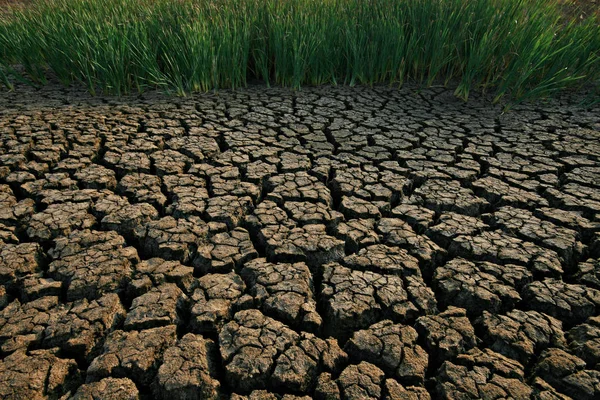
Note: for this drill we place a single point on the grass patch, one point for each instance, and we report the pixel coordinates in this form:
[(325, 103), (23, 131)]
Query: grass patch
[(517, 49)]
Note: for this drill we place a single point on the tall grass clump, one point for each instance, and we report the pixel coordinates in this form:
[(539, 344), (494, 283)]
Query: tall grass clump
[(197, 46), (516, 49), (302, 41), (4, 77), (119, 45)]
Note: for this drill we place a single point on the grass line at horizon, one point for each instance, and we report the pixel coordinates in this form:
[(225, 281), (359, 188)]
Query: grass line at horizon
[(518, 49)]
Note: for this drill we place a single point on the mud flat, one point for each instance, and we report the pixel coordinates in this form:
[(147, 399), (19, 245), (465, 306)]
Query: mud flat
[(328, 243)]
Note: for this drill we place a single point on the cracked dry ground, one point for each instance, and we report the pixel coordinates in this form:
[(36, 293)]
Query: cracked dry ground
[(330, 243)]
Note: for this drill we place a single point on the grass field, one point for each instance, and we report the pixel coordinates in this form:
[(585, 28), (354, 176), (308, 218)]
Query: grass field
[(517, 49)]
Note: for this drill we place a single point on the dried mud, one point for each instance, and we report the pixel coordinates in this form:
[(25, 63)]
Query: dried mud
[(328, 243)]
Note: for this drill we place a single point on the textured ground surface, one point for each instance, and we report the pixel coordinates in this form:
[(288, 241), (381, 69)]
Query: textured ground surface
[(267, 244)]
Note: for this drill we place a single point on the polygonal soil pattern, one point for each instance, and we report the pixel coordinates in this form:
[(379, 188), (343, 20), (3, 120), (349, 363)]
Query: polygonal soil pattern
[(327, 243)]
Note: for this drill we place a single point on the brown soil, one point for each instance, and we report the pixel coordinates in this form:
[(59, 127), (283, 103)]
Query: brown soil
[(295, 236)]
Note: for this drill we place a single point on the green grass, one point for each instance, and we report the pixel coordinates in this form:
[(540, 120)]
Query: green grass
[(516, 49)]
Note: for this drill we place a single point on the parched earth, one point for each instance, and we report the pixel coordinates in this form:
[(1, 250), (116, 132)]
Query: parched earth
[(329, 243)]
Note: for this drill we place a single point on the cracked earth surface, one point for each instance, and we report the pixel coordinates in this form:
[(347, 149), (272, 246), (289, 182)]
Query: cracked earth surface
[(329, 243)]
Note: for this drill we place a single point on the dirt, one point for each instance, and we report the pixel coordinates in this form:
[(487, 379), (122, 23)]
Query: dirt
[(329, 243)]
